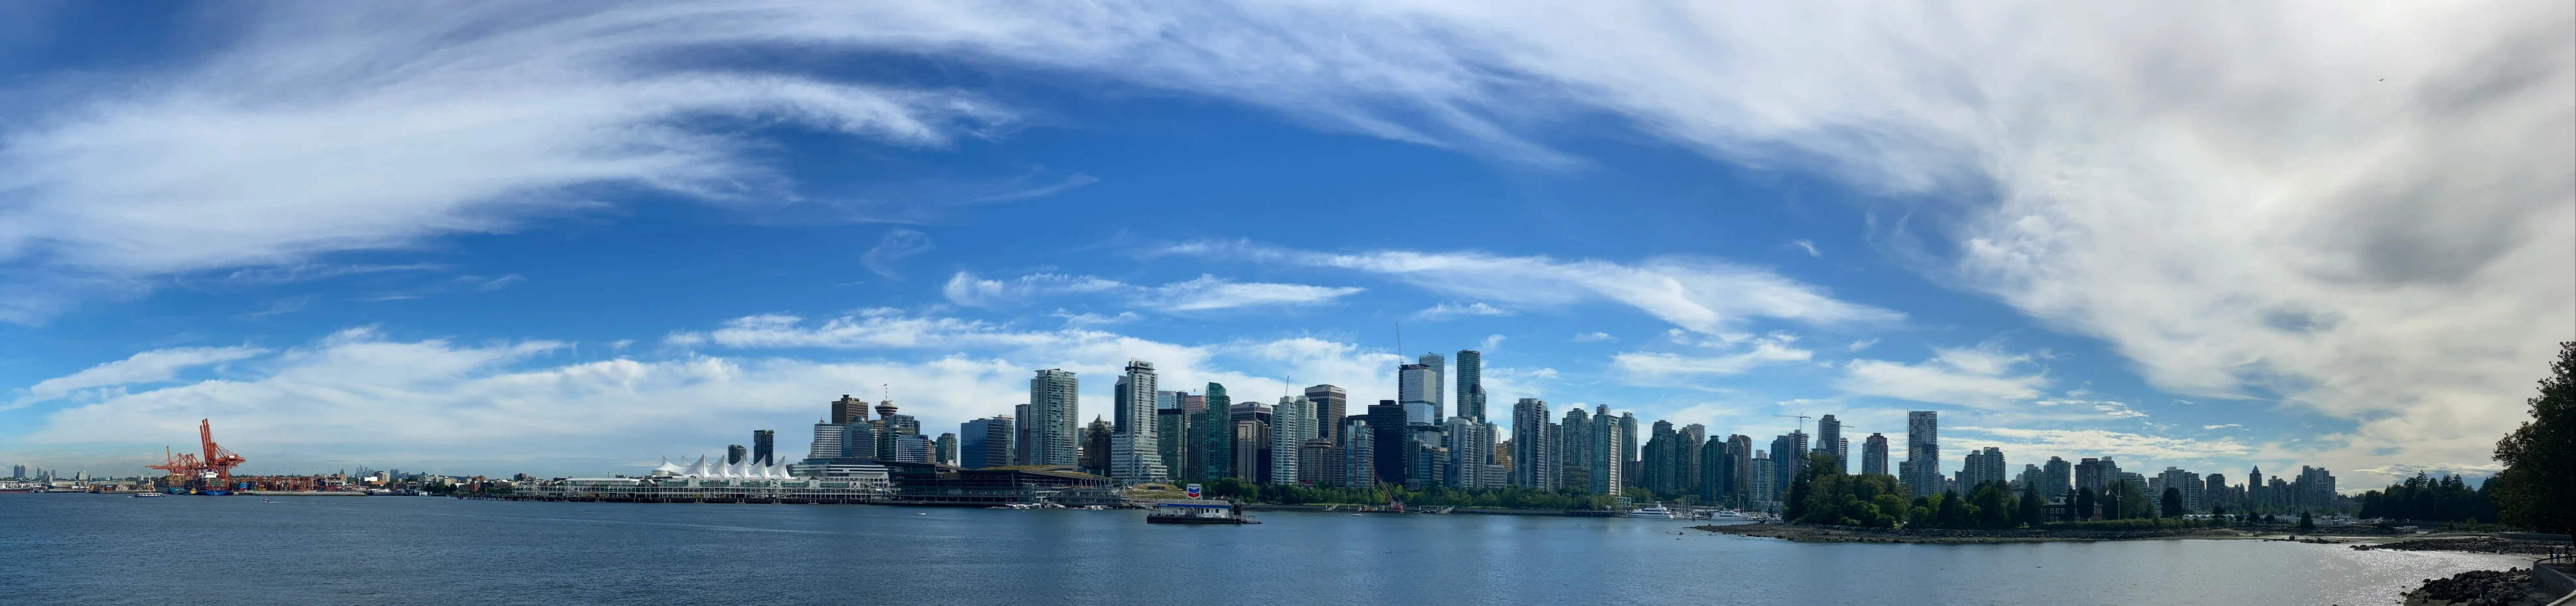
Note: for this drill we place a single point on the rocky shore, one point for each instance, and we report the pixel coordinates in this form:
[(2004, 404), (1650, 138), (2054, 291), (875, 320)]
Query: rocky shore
[(2479, 588), (1853, 534)]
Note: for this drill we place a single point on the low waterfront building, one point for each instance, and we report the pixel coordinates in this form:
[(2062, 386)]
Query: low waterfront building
[(948, 485), (718, 482)]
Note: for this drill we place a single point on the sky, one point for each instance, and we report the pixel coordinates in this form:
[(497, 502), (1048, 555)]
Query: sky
[(576, 237)]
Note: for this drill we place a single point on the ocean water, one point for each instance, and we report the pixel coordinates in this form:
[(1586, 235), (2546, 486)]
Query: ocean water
[(96, 549)]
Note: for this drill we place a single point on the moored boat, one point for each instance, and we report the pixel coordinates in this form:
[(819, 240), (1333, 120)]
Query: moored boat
[(1656, 511), (1197, 511)]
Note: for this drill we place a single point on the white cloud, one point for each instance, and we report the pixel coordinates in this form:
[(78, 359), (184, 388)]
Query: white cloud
[(1810, 247), (148, 367), (1766, 350), (1446, 311), (1980, 377), (971, 290), (1594, 337), (2223, 426), (364, 126), (1703, 295), (1088, 319), (897, 244), (1207, 292), (1861, 344), (358, 397), (1491, 344)]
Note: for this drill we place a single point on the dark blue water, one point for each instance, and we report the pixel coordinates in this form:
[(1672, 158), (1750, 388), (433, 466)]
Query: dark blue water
[(89, 549)]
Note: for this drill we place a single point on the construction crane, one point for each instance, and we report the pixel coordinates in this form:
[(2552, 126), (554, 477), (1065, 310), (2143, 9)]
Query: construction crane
[(1802, 421), (217, 462)]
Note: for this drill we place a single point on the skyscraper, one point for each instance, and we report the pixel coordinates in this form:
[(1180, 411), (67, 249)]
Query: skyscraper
[(1829, 439), (1574, 449), (734, 454), (1172, 440), (1022, 429), (764, 446), (985, 442), (1609, 451), (1359, 446), (1923, 452), (1439, 390), (1471, 384), (1095, 446), (1332, 404), (827, 440), (2056, 478), (1292, 425), (1054, 429), (1415, 386), (1135, 457), (1213, 447), (947, 445), (1873, 455), (1630, 441), (849, 410), (1534, 461), (1470, 445), (1387, 424)]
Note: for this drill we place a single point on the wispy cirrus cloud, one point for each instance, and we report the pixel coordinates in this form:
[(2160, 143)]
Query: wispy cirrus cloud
[(1204, 293), (1702, 295), (1445, 311), (147, 367), (1775, 349)]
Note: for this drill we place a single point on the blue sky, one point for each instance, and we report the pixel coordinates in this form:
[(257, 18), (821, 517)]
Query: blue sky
[(570, 237)]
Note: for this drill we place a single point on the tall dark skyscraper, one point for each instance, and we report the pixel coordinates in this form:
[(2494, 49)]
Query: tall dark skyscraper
[(764, 446), (1332, 404), (734, 454), (985, 443), (1213, 445), (1471, 384), (1387, 423)]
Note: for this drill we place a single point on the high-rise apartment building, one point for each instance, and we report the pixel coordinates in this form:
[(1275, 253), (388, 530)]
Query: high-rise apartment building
[(947, 445), (1471, 384), (1055, 429), (1534, 460), (985, 442), (1252, 450), (1608, 451), (1982, 467), (1470, 444), (764, 447), (1829, 440), (17, 472), (1873, 455), (1923, 452), (2056, 479), (1359, 448), (1021, 430), (735, 453), (1095, 457), (1332, 404), (1292, 425), (1135, 453)]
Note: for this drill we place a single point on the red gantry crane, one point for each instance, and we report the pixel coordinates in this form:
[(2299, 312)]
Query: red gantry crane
[(218, 463)]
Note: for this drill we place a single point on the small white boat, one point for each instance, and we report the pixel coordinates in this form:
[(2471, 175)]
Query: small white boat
[(1729, 514), (1656, 511), (147, 495)]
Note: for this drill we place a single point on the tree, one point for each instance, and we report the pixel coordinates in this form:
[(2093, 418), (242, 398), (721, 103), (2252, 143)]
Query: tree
[(2307, 523), (2084, 503), (2172, 505), (2537, 488), (2034, 510)]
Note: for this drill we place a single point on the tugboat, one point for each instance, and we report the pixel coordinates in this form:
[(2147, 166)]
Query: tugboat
[(1197, 511)]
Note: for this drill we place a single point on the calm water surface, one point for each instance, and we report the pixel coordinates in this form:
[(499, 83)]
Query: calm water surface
[(91, 549)]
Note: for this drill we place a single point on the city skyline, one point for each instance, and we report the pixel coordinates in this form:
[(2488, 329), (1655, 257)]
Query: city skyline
[(475, 247)]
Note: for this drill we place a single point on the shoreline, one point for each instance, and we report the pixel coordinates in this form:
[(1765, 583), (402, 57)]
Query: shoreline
[(1805, 533)]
